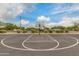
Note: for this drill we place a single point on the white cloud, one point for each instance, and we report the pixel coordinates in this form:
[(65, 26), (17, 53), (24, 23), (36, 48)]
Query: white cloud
[(66, 21), (24, 22), (10, 10), (43, 19), (69, 21), (60, 9), (51, 24)]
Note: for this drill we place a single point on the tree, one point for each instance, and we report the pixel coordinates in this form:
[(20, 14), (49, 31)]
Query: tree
[(10, 26), (75, 25)]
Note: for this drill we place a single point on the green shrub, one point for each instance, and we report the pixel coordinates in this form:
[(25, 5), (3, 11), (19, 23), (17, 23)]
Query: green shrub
[(59, 31), (3, 31), (50, 31), (24, 31), (19, 31), (66, 31), (45, 31)]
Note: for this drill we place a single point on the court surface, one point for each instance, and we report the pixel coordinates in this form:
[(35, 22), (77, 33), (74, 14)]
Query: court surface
[(39, 45)]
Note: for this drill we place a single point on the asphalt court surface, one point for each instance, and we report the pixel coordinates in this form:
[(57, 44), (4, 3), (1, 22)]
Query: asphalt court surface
[(39, 45)]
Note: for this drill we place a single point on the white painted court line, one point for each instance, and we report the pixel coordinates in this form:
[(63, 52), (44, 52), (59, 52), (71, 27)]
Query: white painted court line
[(25, 41), (40, 49), (2, 42), (55, 41), (77, 42), (29, 49)]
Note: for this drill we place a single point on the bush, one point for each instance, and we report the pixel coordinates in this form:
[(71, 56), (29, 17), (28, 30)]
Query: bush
[(3, 31), (60, 31), (45, 31), (66, 31), (24, 31), (50, 31), (19, 31)]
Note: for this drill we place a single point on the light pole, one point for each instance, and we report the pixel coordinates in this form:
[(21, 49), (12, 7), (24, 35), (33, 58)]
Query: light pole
[(39, 28), (20, 22), (0, 21)]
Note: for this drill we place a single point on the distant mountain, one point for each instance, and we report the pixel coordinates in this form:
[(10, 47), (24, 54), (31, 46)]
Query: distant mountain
[(2, 24)]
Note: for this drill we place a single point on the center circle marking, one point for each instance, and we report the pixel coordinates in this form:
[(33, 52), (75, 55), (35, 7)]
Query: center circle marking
[(40, 49), (30, 49)]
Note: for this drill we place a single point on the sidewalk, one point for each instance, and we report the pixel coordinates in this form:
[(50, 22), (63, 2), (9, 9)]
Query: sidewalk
[(42, 33)]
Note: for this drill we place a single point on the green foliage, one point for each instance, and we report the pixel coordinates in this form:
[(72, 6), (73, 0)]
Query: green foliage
[(66, 31), (10, 26), (45, 31), (3, 31), (24, 31), (57, 29), (32, 30), (19, 31)]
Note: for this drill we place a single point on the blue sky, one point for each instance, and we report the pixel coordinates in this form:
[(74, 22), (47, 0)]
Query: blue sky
[(31, 11)]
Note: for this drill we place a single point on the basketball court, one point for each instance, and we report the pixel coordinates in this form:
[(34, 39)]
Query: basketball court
[(36, 45)]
